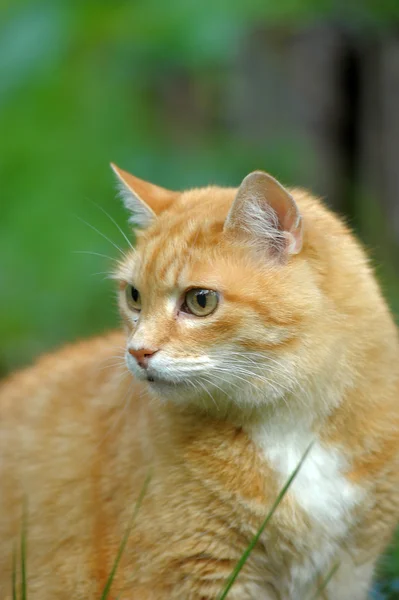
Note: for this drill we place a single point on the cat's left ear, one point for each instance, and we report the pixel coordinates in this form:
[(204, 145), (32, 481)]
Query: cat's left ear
[(143, 199), (266, 214)]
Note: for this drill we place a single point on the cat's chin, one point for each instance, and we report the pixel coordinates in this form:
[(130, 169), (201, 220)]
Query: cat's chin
[(156, 382), (178, 392), (160, 385)]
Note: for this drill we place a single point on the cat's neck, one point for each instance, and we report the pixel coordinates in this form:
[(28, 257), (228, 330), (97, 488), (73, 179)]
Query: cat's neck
[(298, 410), (305, 406)]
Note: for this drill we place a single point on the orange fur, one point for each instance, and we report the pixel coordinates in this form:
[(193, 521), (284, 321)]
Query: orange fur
[(78, 434)]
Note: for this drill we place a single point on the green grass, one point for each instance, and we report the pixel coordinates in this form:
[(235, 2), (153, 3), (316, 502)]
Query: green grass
[(125, 538), (23, 558), (246, 554), (326, 581), (14, 576), (23, 594), (382, 591)]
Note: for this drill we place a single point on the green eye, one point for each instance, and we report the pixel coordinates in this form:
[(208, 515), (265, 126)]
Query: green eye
[(200, 302), (133, 297)]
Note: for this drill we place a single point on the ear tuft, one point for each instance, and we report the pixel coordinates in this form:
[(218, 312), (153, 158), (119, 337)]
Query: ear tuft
[(267, 215), (141, 214), (144, 200)]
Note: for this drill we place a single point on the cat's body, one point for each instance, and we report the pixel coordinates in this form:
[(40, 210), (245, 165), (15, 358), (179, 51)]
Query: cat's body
[(300, 348)]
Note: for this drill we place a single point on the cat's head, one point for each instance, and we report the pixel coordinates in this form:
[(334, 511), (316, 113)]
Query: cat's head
[(214, 297)]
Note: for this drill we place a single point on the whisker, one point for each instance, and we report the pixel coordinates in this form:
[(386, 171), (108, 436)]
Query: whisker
[(114, 222), (107, 274), (216, 386), (95, 254), (196, 390), (244, 368), (118, 347), (245, 380), (117, 360), (117, 364), (262, 377), (243, 371), (102, 235), (209, 394), (229, 383), (266, 358), (122, 355)]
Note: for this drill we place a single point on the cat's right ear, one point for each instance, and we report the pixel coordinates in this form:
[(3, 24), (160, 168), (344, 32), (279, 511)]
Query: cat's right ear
[(266, 215), (144, 200)]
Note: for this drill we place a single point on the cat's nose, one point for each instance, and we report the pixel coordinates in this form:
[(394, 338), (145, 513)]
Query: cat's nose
[(142, 355)]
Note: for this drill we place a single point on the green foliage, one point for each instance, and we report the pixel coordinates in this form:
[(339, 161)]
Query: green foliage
[(388, 573), (86, 83), (21, 571)]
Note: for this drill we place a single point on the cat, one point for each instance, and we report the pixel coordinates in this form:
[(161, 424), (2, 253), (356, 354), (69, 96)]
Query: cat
[(254, 331)]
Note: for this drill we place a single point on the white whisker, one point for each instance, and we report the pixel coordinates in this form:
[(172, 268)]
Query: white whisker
[(114, 222), (103, 235), (95, 254), (209, 394)]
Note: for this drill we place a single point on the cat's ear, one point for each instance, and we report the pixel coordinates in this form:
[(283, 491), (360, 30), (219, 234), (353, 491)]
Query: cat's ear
[(266, 214), (143, 199)]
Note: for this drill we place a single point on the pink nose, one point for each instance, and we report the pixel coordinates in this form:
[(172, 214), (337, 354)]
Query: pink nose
[(142, 355)]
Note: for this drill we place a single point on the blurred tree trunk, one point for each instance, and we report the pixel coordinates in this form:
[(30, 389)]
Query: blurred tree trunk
[(380, 127), (332, 92), (290, 87), (390, 129)]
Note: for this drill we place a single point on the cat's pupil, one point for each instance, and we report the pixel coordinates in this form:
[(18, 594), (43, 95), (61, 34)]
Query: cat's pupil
[(135, 294), (201, 299)]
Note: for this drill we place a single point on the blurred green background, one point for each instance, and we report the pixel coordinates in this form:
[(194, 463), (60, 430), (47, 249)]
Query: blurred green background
[(181, 93)]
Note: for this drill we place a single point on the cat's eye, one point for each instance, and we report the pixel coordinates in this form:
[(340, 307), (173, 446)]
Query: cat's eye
[(199, 302), (133, 297)]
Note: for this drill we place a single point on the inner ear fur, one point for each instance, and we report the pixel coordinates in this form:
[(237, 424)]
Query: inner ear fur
[(143, 199), (266, 213)]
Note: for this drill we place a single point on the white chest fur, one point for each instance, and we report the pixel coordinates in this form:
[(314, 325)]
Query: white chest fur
[(320, 488)]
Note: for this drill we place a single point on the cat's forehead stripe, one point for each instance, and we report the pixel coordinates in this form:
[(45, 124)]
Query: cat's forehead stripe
[(165, 255), (159, 261)]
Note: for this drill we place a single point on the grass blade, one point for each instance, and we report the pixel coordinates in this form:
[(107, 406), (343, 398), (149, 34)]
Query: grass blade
[(256, 537), (23, 556), (326, 581), (14, 575), (125, 538)]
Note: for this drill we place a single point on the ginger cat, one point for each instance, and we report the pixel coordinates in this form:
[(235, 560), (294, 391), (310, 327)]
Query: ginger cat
[(253, 326)]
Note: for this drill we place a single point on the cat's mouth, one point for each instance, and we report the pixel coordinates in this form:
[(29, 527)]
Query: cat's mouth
[(154, 379)]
